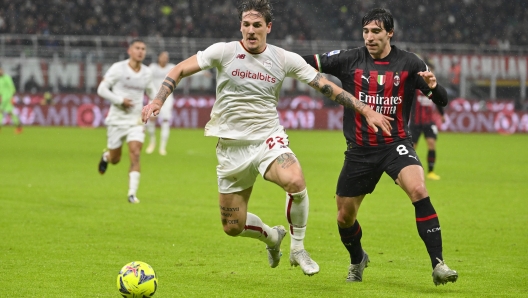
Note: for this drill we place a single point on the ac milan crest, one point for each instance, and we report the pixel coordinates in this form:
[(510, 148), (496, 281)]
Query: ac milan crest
[(396, 80)]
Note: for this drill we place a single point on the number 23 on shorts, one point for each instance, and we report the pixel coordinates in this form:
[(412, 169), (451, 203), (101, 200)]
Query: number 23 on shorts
[(271, 142)]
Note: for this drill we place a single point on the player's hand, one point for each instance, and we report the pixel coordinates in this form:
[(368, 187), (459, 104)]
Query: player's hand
[(375, 120), (429, 78), (127, 103), (151, 110)]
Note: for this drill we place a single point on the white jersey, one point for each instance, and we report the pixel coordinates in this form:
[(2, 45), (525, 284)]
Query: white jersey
[(160, 73), (158, 76), (247, 88), (121, 82)]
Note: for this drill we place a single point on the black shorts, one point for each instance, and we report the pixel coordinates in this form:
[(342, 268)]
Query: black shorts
[(364, 166), (430, 131)]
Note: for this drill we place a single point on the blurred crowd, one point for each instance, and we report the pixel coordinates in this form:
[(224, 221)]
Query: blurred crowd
[(482, 22), (167, 18), (489, 22)]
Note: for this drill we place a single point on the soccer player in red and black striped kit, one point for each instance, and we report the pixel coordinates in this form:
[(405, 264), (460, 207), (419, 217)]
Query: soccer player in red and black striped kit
[(385, 78), (422, 121)]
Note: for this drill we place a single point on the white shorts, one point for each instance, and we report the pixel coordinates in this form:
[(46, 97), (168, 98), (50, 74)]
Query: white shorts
[(166, 110), (240, 161), (116, 134)]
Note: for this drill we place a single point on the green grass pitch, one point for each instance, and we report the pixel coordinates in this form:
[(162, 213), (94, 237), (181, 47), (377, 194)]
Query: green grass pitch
[(65, 230)]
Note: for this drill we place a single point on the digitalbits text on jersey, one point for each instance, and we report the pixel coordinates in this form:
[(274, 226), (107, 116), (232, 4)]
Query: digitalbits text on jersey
[(253, 75)]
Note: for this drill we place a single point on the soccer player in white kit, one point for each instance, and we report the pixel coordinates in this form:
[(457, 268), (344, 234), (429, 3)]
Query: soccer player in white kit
[(250, 139), (159, 71), (124, 85)]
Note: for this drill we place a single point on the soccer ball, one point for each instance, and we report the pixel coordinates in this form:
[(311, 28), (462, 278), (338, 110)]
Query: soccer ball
[(137, 280)]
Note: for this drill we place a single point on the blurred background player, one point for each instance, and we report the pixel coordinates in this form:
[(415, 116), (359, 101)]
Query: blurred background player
[(159, 71), (423, 121), (7, 91), (124, 85)]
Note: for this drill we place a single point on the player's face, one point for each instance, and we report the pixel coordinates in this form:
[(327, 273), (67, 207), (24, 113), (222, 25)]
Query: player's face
[(377, 39), (254, 31), (163, 58), (137, 51)]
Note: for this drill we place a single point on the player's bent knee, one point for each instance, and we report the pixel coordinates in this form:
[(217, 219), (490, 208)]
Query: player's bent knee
[(418, 192), (346, 216), (345, 219), (295, 185), (233, 230), (115, 160)]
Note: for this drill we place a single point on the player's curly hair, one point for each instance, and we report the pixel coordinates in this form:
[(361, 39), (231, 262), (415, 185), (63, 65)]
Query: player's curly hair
[(261, 6), (379, 15)]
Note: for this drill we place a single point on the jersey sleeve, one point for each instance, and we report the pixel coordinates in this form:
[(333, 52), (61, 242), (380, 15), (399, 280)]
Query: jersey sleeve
[(329, 63), (212, 56), (111, 77), (296, 67), (422, 86)]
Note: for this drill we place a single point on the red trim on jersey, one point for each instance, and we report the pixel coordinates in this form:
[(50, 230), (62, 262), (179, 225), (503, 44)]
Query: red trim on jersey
[(357, 78), (373, 90), (399, 109), (389, 85), (242, 44), (381, 62), (427, 217)]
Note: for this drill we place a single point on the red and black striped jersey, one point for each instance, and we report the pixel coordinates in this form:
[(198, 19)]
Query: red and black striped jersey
[(424, 109), (387, 85)]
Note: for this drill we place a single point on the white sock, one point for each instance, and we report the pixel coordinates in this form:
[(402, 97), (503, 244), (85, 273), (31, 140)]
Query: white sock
[(297, 205), (165, 132), (105, 156), (255, 228), (151, 129), (133, 182)]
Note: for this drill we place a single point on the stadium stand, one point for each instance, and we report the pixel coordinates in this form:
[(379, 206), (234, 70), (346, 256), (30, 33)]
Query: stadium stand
[(204, 19), (487, 22)]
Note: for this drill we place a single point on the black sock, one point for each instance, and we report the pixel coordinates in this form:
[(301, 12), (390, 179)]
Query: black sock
[(429, 229), (351, 238), (431, 159)]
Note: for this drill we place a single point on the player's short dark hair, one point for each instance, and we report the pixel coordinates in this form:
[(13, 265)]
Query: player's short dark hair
[(133, 41), (379, 15), (261, 6)]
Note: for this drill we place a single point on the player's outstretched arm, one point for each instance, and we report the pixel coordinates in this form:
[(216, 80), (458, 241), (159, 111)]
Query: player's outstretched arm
[(337, 94), (183, 69)]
